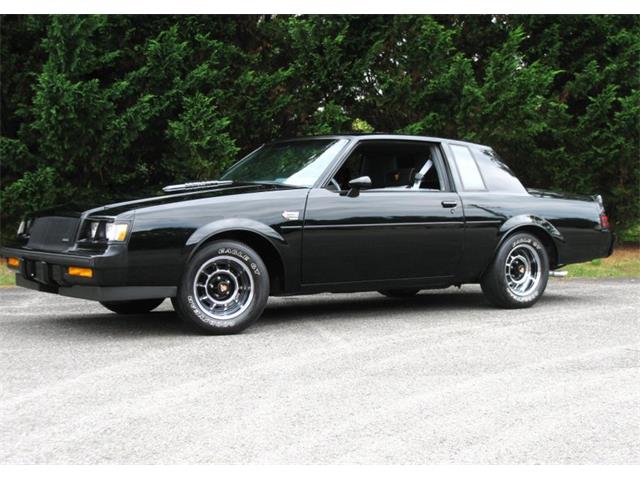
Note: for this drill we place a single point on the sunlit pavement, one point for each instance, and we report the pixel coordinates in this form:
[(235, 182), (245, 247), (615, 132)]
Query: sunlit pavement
[(358, 378)]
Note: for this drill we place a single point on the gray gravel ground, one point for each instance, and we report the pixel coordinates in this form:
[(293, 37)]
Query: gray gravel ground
[(328, 379)]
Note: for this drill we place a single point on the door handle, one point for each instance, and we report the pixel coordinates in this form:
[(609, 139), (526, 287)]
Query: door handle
[(449, 204)]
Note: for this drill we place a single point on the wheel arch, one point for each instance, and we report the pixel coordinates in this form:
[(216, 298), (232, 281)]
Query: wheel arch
[(549, 235), (262, 238)]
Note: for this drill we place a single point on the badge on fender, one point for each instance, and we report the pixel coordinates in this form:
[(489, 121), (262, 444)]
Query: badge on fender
[(290, 215)]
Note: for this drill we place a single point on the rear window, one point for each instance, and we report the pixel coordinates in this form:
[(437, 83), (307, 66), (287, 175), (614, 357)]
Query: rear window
[(468, 169), (496, 174)]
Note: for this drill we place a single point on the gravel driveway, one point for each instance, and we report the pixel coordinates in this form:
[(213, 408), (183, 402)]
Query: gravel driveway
[(349, 378)]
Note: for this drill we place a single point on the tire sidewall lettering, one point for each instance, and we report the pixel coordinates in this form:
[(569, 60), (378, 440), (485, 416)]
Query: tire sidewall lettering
[(246, 258), (193, 306), (534, 243)]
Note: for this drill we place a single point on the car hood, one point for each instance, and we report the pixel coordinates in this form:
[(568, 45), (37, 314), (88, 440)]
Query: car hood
[(114, 208)]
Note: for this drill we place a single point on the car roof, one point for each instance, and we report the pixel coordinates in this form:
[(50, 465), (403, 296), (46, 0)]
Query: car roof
[(377, 136)]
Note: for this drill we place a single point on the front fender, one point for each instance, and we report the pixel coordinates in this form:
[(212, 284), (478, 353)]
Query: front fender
[(204, 233)]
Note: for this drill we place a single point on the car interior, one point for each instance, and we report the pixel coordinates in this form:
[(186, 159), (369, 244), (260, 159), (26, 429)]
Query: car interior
[(390, 165)]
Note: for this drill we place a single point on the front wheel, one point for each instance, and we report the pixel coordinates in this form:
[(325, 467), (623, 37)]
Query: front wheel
[(224, 289), (519, 273), (133, 307)]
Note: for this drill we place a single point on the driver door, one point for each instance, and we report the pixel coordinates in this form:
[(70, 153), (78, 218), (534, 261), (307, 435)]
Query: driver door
[(403, 228)]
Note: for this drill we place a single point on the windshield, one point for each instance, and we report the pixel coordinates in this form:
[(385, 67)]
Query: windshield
[(299, 163)]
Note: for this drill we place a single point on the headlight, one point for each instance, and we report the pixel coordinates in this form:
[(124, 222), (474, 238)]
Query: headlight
[(24, 227), (102, 230), (116, 232), (93, 229)]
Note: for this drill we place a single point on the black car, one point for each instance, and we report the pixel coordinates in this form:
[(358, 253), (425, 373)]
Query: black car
[(338, 213)]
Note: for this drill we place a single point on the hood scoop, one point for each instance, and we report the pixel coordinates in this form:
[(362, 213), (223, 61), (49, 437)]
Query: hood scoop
[(183, 187)]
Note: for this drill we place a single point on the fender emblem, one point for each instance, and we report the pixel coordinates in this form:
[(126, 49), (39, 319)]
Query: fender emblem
[(290, 215)]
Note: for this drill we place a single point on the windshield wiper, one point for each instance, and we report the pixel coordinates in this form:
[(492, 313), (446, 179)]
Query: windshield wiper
[(260, 182), (272, 183), (196, 185)]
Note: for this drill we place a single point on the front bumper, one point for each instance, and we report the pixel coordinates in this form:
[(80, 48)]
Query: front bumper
[(47, 272), (100, 294)]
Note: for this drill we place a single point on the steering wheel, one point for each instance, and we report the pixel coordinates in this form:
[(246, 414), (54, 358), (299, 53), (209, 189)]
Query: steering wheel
[(336, 184)]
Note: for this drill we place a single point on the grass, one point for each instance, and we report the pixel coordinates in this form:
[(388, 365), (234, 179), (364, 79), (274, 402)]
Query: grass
[(7, 277), (625, 262)]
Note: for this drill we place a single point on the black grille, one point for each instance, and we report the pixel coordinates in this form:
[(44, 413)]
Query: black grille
[(53, 234)]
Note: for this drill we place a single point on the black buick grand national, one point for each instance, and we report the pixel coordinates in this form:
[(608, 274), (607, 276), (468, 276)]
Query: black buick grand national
[(341, 213)]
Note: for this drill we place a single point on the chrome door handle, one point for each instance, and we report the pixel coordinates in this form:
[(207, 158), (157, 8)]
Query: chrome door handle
[(448, 204)]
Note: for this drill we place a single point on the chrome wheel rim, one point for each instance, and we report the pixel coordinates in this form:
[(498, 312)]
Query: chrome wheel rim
[(523, 270), (223, 287)]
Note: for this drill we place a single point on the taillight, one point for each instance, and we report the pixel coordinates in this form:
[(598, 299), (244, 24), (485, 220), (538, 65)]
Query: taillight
[(604, 219)]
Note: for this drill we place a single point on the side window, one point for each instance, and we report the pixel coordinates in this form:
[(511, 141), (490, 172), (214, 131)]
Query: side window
[(469, 172), (430, 177), (390, 165), (350, 169)]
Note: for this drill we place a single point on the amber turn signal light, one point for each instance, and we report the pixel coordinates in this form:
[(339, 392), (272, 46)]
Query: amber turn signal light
[(13, 262), (80, 272)]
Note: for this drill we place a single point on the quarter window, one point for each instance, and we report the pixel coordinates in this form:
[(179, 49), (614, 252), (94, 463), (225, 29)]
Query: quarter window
[(469, 173), (497, 175)]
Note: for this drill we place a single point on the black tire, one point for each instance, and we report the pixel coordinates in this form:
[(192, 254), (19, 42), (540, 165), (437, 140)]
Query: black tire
[(399, 292), (133, 307), (224, 289), (519, 273)]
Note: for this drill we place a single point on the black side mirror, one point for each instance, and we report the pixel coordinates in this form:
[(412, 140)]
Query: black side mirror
[(358, 184)]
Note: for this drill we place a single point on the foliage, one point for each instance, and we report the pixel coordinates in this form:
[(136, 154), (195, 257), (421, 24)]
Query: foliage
[(630, 235), (100, 105)]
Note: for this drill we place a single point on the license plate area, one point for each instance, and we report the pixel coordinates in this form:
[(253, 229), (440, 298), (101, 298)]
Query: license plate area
[(39, 271)]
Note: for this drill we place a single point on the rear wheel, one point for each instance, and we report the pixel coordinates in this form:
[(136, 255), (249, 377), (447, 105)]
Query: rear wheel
[(224, 289), (133, 307), (519, 273), (400, 292)]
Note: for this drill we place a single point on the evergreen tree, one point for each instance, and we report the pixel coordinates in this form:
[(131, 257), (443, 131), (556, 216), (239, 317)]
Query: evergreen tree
[(93, 106)]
